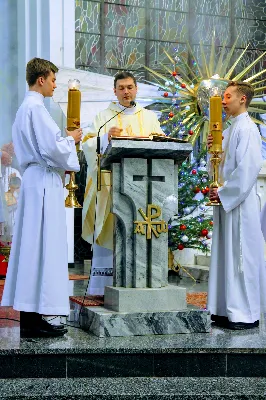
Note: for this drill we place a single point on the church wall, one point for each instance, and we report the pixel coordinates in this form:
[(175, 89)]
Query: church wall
[(8, 68)]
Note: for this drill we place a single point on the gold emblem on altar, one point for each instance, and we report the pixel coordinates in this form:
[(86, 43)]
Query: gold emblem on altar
[(150, 225)]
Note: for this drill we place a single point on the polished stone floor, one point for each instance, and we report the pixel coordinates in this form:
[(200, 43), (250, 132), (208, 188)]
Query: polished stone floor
[(216, 340)]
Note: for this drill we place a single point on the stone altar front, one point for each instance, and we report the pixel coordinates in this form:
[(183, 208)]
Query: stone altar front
[(144, 182)]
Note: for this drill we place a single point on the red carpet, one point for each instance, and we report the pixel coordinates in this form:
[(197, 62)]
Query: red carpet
[(88, 301), (75, 277), (7, 312), (198, 299)]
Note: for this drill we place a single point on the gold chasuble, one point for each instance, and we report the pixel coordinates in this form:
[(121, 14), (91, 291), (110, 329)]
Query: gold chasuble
[(135, 121)]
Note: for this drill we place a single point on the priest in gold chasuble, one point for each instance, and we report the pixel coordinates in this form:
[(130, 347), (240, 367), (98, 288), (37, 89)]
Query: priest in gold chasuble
[(133, 121)]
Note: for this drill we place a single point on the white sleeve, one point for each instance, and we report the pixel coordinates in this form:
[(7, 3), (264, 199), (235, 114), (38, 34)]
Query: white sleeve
[(248, 164), (56, 150)]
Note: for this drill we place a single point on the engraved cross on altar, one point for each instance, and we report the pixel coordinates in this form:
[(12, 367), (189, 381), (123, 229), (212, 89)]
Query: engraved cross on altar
[(137, 184)]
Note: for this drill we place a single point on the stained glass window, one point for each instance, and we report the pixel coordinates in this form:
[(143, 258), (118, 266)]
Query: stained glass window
[(131, 34)]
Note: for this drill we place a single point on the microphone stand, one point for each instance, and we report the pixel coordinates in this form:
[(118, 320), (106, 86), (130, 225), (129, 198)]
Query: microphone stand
[(98, 150), (98, 147)]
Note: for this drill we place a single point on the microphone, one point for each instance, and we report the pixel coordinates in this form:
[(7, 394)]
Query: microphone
[(98, 150), (98, 147)]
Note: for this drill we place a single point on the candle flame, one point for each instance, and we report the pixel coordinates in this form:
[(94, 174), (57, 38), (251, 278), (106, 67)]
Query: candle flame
[(73, 84)]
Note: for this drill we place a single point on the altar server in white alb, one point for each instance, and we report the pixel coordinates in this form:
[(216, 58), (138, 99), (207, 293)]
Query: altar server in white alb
[(130, 119), (37, 276), (237, 281)]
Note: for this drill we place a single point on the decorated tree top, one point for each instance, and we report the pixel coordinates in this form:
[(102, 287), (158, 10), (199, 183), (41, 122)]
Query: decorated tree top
[(186, 89)]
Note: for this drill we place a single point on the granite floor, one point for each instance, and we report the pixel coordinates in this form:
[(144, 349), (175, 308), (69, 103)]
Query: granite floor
[(222, 364), (218, 339)]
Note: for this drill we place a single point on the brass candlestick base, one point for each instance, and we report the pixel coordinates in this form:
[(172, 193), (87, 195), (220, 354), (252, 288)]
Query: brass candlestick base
[(5, 251), (71, 200), (215, 161)]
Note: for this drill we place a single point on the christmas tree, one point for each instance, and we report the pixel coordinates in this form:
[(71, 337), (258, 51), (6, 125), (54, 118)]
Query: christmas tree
[(192, 227)]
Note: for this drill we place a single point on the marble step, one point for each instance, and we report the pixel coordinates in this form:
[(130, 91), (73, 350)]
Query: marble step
[(199, 272), (81, 355), (134, 388)]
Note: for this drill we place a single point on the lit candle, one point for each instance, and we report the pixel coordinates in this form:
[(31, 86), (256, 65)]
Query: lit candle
[(73, 106), (216, 122)]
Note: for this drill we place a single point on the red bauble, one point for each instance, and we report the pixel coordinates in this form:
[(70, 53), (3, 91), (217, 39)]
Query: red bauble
[(196, 189), (182, 227), (194, 171), (174, 73), (211, 223), (190, 132), (207, 189), (183, 85), (203, 191), (204, 232), (165, 94), (180, 246), (171, 115)]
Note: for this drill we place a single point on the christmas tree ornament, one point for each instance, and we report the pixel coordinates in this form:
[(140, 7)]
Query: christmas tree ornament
[(199, 77), (209, 235), (170, 207), (171, 115), (194, 171), (174, 73), (165, 94), (184, 238), (180, 246), (182, 227), (204, 232)]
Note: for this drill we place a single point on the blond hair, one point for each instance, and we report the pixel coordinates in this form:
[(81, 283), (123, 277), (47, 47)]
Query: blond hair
[(243, 88)]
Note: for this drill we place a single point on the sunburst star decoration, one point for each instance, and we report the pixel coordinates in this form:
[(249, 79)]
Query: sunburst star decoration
[(187, 90)]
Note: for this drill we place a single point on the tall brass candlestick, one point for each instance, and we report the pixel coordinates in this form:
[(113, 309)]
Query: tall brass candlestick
[(216, 148), (73, 122)]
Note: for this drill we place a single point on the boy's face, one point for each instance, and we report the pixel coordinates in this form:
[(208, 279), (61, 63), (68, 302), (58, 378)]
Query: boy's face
[(125, 91), (48, 85), (233, 101)]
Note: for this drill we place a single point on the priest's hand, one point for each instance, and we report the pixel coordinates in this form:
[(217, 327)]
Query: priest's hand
[(76, 134), (114, 131), (209, 141), (214, 196)]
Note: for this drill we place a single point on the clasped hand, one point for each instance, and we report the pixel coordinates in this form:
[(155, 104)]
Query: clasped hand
[(76, 134)]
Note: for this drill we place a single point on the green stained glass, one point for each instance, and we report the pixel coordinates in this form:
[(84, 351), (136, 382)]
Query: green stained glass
[(172, 5), (205, 25), (157, 54), (252, 9), (137, 3), (212, 7), (87, 50), (252, 32), (125, 21), (124, 53), (168, 26), (87, 16)]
